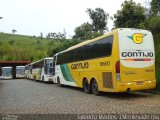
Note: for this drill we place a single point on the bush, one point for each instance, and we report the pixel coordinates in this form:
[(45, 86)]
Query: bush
[(153, 24), (11, 42)]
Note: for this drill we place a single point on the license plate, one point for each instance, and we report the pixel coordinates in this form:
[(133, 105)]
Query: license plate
[(139, 83)]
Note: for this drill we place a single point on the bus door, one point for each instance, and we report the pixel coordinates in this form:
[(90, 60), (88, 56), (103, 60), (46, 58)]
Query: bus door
[(53, 64)]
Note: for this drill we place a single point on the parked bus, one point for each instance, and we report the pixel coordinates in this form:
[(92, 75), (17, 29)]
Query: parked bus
[(20, 71), (27, 71), (40, 70), (120, 61), (7, 73)]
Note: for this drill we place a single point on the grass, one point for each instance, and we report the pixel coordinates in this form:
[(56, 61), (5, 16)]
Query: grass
[(20, 47), (24, 41)]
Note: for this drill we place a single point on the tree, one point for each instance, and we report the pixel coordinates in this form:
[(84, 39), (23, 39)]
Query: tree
[(88, 31), (48, 36), (155, 7), (41, 35), (153, 24), (59, 35), (61, 46), (83, 32), (14, 31), (99, 18), (11, 42), (38, 42), (131, 15)]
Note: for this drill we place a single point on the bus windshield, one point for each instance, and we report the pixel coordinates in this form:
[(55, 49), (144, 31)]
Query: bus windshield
[(48, 66), (6, 71)]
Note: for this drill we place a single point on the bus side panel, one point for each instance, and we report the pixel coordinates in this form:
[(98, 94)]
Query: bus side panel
[(114, 58), (26, 74), (30, 74), (95, 70), (36, 74), (64, 75), (100, 69), (39, 74), (42, 74)]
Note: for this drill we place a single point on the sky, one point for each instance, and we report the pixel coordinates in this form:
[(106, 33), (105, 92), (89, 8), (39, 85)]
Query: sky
[(31, 17)]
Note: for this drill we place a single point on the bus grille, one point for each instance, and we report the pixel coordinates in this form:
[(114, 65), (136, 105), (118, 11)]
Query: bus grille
[(107, 79)]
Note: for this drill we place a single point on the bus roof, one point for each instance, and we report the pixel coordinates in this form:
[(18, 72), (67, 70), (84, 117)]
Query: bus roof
[(20, 66), (48, 58), (119, 29), (6, 67)]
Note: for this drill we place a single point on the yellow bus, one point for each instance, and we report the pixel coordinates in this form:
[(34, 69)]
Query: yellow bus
[(40, 70), (120, 61)]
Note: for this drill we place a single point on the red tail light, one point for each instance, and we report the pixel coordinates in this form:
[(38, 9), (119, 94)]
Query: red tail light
[(117, 67)]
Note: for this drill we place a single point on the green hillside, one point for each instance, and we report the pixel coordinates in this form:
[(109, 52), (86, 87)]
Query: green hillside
[(20, 47)]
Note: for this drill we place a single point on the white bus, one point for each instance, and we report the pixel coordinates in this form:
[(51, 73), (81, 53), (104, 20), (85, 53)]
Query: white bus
[(20, 71), (7, 73), (40, 70)]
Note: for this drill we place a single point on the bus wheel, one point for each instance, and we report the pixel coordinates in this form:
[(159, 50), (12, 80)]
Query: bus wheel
[(86, 86), (94, 86), (43, 79), (58, 82), (34, 78)]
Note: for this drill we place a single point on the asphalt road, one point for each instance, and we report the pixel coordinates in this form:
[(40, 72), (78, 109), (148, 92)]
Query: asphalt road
[(29, 97)]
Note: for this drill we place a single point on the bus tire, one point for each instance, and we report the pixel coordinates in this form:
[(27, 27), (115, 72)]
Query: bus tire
[(43, 79), (34, 78), (86, 86), (58, 82), (94, 87)]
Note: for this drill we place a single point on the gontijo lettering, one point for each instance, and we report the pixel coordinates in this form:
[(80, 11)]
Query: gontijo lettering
[(80, 65), (137, 54)]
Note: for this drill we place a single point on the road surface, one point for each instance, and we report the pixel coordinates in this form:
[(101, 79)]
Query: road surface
[(29, 97)]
